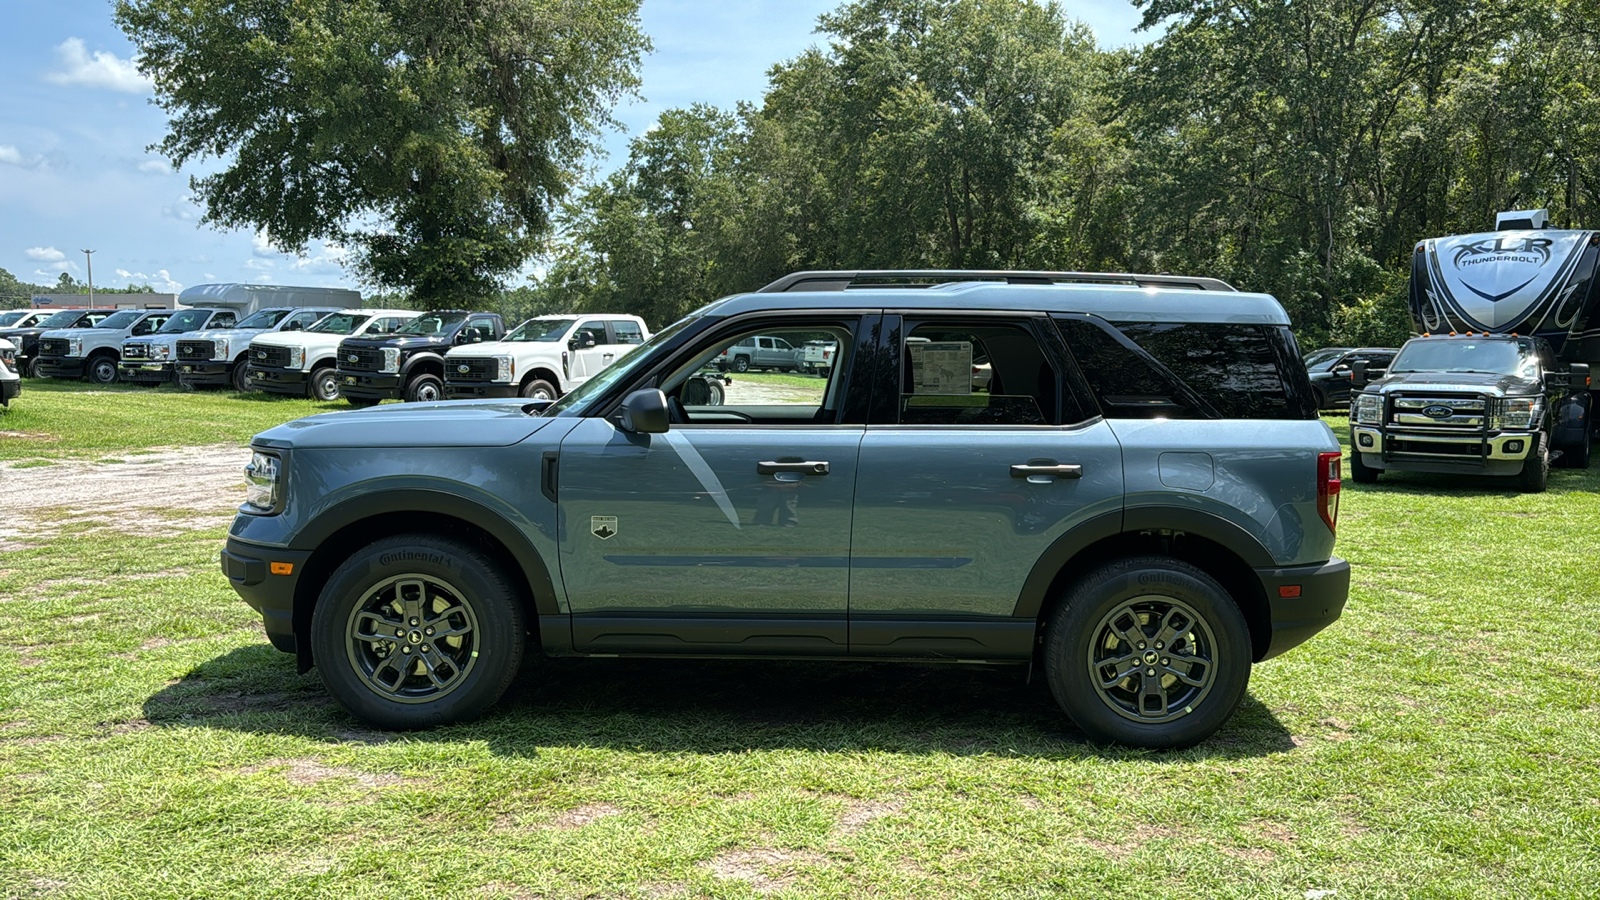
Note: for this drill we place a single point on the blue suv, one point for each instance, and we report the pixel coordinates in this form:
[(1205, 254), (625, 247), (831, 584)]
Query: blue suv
[(1138, 497)]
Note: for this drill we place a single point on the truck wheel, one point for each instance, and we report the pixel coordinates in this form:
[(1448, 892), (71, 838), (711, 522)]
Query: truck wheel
[(30, 369), (1577, 455), (425, 389), (1322, 399), (417, 630), (323, 384), (102, 369), (741, 364), (717, 395), (240, 376), (1360, 472), (1535, 474), (1148, 652), (539, 389)]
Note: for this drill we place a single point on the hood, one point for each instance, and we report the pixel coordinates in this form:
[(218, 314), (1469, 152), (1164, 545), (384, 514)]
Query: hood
[(454, 423), (403, 342), (501, 348), (207, 334), (295, 339), (88, 334), (169, 340), (1456, 382)]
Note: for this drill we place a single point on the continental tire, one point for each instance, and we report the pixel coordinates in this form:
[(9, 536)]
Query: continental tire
[(417, 630), (1148, 652)]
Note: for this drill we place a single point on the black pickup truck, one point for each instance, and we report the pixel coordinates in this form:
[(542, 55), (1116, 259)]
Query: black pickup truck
[(409, 363)]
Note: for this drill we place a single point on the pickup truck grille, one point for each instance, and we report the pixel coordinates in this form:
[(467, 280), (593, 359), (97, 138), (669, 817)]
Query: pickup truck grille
[(475, 370), (136, 351), (360, 359), (270, 356), (53, 347), (195, 350), (1450, 413)]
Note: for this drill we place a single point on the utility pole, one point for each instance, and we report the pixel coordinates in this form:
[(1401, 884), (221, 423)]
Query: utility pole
[(90, 260)]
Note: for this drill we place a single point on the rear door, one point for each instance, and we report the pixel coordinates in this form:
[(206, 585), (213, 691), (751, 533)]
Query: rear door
[(962, 490)]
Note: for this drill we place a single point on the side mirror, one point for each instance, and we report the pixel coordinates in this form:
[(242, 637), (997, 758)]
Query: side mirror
[(583, 341), (1578, 376), (645, 412), (1358, 373)]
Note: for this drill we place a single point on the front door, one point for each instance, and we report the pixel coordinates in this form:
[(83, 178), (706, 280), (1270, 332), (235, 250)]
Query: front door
[(729, 533)]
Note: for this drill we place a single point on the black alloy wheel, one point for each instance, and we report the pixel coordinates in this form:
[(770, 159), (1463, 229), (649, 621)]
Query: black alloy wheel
[(417, 630), (1148, 652)]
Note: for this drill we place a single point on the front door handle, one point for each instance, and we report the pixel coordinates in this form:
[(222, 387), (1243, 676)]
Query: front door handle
[(808, 467), (1028, 470)]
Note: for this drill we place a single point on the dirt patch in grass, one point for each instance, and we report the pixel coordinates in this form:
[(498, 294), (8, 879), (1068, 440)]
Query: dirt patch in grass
[(311, 772), (584, 815), (764, 870), (857, 813)]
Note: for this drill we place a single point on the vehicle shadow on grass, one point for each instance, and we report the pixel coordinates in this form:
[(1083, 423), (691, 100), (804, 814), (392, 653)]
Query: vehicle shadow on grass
[(702, 706)]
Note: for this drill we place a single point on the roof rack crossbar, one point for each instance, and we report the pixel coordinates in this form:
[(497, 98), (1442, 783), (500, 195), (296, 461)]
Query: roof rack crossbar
[(839, 280)]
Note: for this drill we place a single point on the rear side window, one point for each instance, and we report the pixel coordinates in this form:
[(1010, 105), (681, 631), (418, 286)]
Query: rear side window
[(627, 332), (1186, 370)]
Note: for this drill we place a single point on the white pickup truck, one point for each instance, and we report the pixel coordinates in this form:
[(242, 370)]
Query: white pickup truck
[(543, 357), (10, 376), (301, 363), (94, 353)]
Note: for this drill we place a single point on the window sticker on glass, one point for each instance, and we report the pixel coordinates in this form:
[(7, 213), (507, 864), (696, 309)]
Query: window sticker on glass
[(940, 367)]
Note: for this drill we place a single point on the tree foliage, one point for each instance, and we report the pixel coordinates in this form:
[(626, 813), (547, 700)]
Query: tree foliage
[(432, 137)]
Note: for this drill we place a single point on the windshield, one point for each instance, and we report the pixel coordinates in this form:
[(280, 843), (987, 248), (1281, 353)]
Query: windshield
[(1462, 355), (121, 320), (264, 319), (636, 358), (61, 319), (1322, 359), (187, 320), (548, 330), (432, 323), (12, 318), (339, 323)]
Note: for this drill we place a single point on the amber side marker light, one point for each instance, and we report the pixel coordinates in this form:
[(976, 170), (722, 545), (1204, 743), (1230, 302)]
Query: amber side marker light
[(1288, 591), (282, 568)]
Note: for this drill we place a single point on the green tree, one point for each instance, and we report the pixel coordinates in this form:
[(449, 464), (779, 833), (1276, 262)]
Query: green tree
[(433, 138)]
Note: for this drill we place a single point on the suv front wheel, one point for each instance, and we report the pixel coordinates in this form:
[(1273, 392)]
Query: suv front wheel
[(417, 630), (1148, 652)]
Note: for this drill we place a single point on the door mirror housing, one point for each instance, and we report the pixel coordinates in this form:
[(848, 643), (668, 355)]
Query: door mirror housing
[(1358, 373), (645, 412), (582, 341), (1578, 376)]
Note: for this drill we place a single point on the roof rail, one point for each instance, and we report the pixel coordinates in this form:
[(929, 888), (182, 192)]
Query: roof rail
[(825, 280)]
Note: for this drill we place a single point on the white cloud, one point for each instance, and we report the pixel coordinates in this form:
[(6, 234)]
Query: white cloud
[(161, 280), (44, 254), (102, 70), (155, 167), (261, 246), (12, 156)]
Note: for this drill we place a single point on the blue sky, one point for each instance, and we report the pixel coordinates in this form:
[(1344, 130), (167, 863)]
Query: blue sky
[(75, 119)]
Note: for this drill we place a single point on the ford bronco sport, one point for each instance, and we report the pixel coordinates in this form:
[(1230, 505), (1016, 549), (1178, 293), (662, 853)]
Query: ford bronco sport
[(1143, 503)]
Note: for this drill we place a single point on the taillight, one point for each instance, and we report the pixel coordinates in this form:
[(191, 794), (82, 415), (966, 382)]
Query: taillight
[(1328, 484)]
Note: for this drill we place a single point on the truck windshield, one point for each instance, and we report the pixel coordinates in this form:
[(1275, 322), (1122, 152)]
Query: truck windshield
[(63, 319), (264, 319), (432, 323), (1322, 359), (12, 318), (573, 403), (339, 323), (187, 320), (1465, 355), (121, 320), (547, 330)]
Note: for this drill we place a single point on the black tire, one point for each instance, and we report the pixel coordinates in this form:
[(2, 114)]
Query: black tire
[(30, 369), (1535, 474), (718, 395), (1360, 472), (1577, 456), (425, 389), (323, 384), (101, 369), (786, 369), (1322, 398), (741, 364), (540, 389), (1121, 613), (240, 376), (461, 588)]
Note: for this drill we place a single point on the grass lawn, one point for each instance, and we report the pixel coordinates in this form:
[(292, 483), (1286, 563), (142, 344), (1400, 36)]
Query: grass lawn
[(1441, 740)]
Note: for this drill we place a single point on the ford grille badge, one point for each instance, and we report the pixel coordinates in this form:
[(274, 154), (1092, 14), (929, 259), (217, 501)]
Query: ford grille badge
[(1438, 412)]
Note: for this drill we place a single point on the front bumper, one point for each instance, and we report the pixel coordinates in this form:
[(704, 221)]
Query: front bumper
[(1320, 594), (1500, 453), (371, 385), (249, 568), (277, 381), (484, 389), (204, 372), (9, 391), (150, 372), (62, 366)]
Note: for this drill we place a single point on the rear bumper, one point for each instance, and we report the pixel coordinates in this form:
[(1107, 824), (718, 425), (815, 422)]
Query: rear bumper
[(1321, 595), (248, 568), (371, 385), (152, 372), (277, 381), (62, 366), (486, 390), (204, 372)]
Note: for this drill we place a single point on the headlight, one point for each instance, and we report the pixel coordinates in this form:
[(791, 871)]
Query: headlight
[(1369, 409), (162, 351), (74, 346), (391, 359), (1517, 413), (262, 475), (219, 349), (297, 357), (505, 368)]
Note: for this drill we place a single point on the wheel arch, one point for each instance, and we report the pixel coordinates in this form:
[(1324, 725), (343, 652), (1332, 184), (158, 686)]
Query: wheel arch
[(346, 528), (1214, 545), (544, 372), (423, 364)]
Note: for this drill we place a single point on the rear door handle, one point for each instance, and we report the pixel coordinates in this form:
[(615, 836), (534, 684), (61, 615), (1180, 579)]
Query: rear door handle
[(1025, 470), (809, 467)]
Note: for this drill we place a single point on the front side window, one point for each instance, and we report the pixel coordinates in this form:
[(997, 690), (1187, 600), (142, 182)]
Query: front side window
[(482, 328), (432, 323), (547, 331), (121, 320), (576, 401), (189, 320), (589, 333), (975, 373), (698, 394)]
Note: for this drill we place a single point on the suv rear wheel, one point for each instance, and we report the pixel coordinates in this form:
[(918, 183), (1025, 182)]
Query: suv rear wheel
[(417, 630), (1149, 652)]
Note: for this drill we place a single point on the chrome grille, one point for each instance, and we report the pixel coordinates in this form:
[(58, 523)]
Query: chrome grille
[(468, 370), (140, 350), (53, 347), (195, 350), (1454, 413)]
